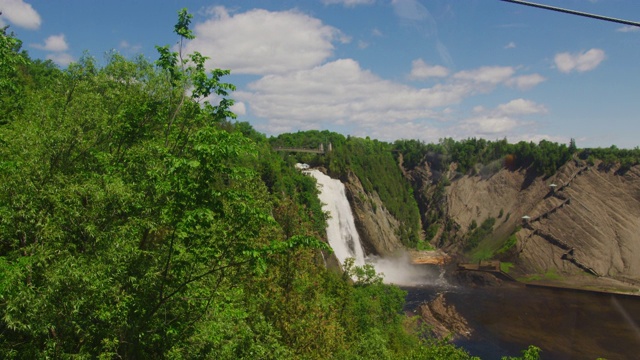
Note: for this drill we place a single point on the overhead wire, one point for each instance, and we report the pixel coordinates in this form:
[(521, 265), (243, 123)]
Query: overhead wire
[(574, 12)]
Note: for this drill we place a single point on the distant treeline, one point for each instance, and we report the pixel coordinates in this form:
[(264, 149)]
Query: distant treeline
[(477, 155), (612, 156)]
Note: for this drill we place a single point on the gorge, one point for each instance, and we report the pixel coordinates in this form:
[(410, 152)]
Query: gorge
[(496, 320)]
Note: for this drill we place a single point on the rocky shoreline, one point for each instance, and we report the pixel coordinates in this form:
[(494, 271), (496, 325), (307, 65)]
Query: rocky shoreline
[(443, 320)]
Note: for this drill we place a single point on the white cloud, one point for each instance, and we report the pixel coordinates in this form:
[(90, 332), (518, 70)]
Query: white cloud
[(20, 14), (502, 121), (348, 3), (239, 108), (421, 70), (54, 43), (300, 88), (264, 42), (495, 126), (487, 74), (628, 28), (126, 46), (510, 45), (580, 62), (340, 93), (407, 130), (479, 109), (411, 10), (57, 46), (343, 97), (520, 107), (525, 82), (61, 58)]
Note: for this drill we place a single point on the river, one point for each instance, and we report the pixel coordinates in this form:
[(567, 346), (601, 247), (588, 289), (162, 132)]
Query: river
[(565, 324)]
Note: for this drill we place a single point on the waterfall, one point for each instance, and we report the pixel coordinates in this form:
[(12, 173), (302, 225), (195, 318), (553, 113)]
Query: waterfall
[(341, 229), (345, 241)]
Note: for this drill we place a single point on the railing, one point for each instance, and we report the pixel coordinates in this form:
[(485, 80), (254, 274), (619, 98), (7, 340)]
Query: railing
[(320, 150), (314, 151)]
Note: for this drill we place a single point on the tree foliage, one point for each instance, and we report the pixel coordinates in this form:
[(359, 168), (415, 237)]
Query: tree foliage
[(474, 155), (137, 221), (612, 157)]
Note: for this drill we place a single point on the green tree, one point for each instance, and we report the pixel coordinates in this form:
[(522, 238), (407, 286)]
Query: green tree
[(11, 62), (139, 216)]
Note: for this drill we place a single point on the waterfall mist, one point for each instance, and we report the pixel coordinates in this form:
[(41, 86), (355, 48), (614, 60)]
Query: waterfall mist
[(399, 270), (345, 241)]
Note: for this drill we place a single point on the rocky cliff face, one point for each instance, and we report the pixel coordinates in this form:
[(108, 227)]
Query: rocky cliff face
[(591, 225), (584, 229), (377, 228)]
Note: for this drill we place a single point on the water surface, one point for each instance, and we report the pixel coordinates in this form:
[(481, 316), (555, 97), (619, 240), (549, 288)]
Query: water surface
[(565, 324)]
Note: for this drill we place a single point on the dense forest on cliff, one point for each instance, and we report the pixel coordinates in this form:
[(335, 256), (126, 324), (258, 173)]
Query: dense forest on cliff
[(372, 161), (138, 221)]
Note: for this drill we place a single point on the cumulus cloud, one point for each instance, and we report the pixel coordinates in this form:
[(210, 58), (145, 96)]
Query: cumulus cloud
[(20, 14), (341, 93), (525, 82), (488, 126), (487, 74), (264, 42), (55, 43), (239, 108), (57, 46), (348, 3), (510, 45), (421, 70), (580, 62), (520, 107), (343, 96), (62, 59), (299, 86), (503, 121)]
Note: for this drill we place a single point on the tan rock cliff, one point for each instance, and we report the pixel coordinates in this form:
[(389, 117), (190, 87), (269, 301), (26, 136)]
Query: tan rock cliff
[(377, 228)]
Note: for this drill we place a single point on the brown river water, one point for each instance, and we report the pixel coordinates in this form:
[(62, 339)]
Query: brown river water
[(565, 324)]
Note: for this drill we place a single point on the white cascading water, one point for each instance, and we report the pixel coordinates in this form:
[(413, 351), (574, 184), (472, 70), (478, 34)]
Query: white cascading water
[(341, 229), (345, 241)]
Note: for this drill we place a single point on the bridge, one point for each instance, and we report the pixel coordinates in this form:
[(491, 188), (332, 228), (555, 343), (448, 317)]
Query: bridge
[(319, 150)]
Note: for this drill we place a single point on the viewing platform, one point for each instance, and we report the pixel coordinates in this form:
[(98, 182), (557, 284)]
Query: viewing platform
[(320, 150)]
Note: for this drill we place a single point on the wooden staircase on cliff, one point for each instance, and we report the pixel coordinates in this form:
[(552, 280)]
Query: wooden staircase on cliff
[(569, 254)]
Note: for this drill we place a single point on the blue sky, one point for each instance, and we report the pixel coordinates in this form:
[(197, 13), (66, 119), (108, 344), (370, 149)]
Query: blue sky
[(388, 69)]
